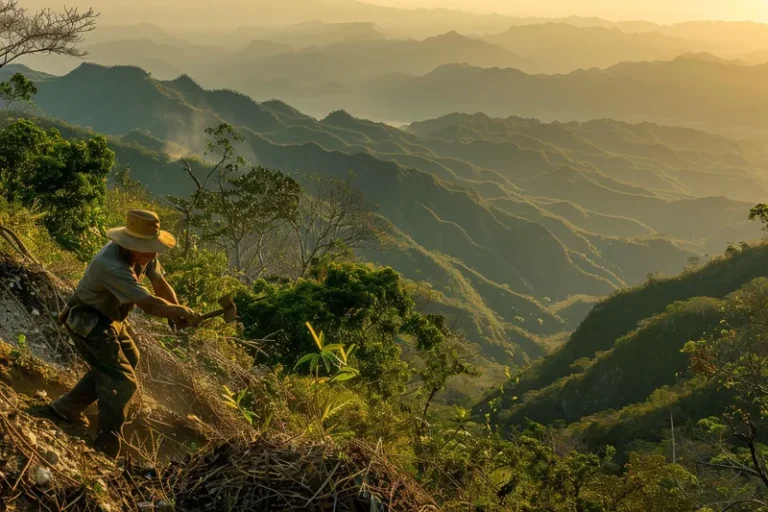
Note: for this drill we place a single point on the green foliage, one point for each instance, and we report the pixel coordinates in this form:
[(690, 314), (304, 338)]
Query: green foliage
[(734, 356), (248, 205), (201, 280), (333, 357), (235, 209), (19, 87), (618, 318), (537, 470), (238, 401), (760, 213), (613, 378), (124, 182), (28, 226), (64, 179), (22, 352), (16, 93), (365, 306)]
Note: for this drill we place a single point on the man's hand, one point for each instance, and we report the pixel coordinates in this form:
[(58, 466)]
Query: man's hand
[(156, 306), (193, 320)]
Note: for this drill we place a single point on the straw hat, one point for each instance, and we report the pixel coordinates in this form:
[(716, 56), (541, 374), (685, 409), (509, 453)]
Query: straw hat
[(142, 233)]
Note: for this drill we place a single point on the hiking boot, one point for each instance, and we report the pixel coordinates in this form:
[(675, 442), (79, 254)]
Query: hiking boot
[(69, 416)]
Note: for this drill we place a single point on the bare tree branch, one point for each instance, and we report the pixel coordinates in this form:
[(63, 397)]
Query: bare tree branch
[(333, 214), (25, 33)]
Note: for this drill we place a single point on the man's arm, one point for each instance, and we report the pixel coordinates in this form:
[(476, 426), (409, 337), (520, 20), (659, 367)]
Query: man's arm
[(163, 289), (159, 307)]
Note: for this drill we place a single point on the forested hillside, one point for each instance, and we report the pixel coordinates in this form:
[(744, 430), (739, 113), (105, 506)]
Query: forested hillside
[(461, 195), (223, 401), (324, 379), (624, 370)]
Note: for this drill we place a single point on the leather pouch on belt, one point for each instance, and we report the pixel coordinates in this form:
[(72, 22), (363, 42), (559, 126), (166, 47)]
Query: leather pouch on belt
[(82, 320)]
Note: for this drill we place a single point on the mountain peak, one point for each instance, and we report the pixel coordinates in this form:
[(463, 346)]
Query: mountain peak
[(184, 82), (448, 37), (338, 116), (122, 72), (707, 57), (282, 108)]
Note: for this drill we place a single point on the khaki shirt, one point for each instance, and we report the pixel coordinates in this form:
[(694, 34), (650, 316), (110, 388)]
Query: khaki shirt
[(111, 285)]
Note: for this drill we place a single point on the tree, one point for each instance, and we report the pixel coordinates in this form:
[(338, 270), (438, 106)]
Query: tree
[(759, 213), (236, 209), (736, 358), (123, 181), (66, 180), (27, 33), (16, 95), (200, 281), (246, 208), (441, 362), (333, 215), (353, 304), (220, 145)]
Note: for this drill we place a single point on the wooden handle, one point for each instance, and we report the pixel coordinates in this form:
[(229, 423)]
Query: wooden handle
[(212, 314)]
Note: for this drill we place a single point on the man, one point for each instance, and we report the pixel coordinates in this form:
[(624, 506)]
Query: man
[(95, 320)]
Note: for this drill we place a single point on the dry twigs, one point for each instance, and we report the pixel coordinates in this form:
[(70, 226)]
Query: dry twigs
[(275, 474)]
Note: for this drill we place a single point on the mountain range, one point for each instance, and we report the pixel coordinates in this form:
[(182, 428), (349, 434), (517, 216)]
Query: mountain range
[(562, 48), (593, 71), (534, 46), (518, 224), (691, 90)]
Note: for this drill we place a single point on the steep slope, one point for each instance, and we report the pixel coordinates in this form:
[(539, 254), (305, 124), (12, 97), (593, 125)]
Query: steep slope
[(639, 363), (179, 430)]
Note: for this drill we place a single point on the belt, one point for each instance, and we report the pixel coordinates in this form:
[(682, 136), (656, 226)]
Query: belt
[(73, 302)]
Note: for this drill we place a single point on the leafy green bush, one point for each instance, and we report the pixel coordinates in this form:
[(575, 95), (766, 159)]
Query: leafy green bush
[(353, 304), (201, 280), (64, 180)]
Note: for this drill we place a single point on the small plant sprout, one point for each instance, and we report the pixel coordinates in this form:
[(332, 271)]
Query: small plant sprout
[(234, 400)]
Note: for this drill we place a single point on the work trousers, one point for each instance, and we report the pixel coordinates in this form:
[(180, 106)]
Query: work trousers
[(112, 356)]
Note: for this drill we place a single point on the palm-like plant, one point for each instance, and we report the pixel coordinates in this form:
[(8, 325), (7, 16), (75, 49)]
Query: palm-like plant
[(333, 357)]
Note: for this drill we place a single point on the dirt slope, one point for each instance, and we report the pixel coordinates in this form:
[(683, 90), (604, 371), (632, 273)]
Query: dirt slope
[(180, 433)]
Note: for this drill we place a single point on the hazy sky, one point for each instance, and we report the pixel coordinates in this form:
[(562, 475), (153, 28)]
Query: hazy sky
[(241, 12), (651, 10)]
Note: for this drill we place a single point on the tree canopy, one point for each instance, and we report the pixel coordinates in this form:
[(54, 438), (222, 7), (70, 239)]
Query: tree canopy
[(64, 179), (352, 304)]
